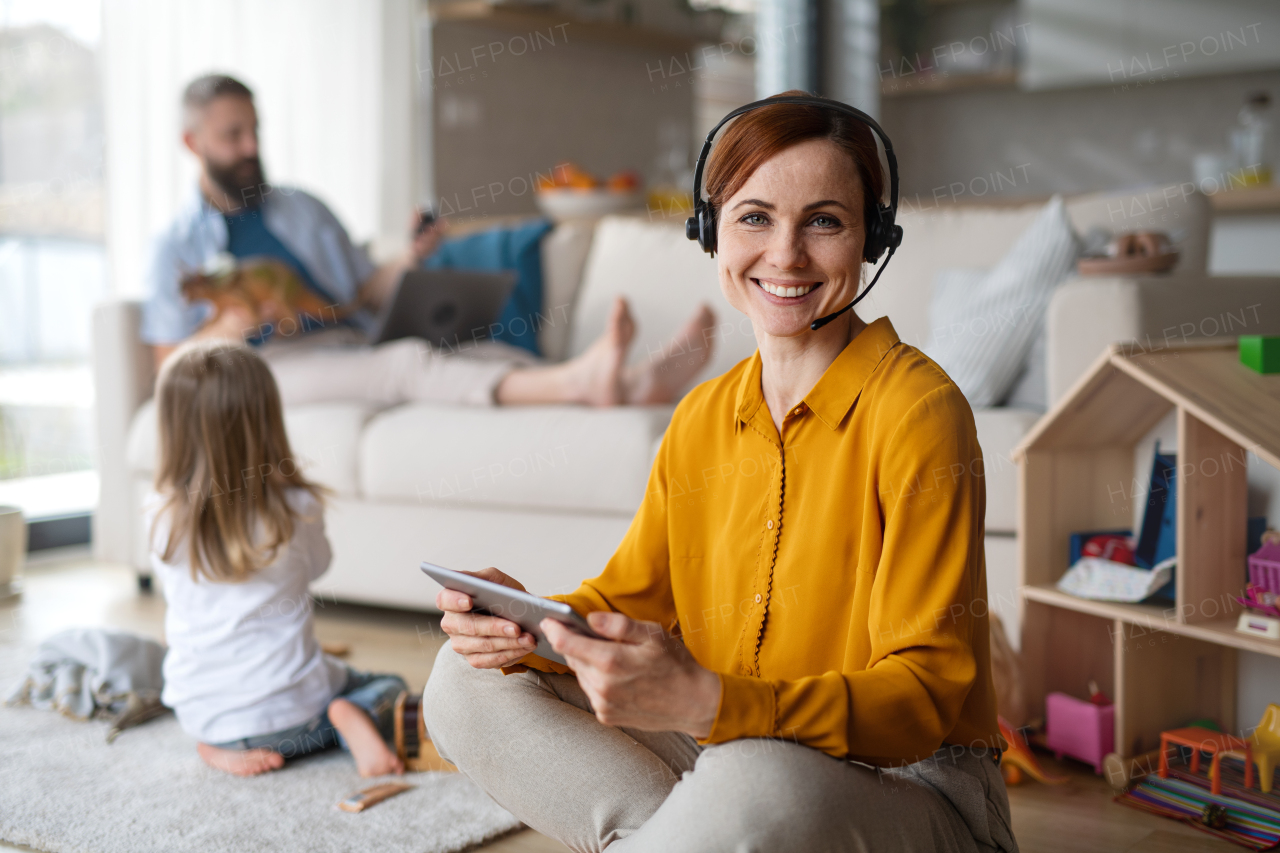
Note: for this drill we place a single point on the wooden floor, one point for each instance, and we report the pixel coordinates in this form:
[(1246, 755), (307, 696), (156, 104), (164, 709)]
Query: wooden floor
[(69, 589)]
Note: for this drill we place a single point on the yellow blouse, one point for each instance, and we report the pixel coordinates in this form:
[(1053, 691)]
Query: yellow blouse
[(833, 577)]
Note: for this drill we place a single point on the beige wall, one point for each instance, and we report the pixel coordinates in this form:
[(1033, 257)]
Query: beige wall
[(1068, 140), (503, 110)]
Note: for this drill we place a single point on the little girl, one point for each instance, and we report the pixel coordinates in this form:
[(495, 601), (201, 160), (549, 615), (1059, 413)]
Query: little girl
[(237, 537)]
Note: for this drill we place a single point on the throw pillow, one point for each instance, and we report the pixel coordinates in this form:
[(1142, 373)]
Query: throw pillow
[(984, 324)]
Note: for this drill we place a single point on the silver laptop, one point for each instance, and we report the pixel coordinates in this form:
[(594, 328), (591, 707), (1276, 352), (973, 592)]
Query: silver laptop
[(450, 309)]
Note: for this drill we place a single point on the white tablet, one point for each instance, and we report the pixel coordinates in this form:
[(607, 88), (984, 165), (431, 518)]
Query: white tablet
[(522, 608)]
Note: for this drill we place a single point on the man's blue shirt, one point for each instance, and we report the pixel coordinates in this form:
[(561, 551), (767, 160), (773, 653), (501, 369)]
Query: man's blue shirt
[(303, 232)]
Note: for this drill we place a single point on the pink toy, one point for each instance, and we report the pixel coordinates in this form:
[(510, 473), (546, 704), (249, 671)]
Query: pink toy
[(1264, 564), (1079, 729), (1262, 600), (1262, 593)]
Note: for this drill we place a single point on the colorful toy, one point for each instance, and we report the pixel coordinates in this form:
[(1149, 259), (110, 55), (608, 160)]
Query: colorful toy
[(413, 746), (1110, 546), (1263, 749), (1200, 740), (1260, 352), (1079, 729), (1263, 589), (1214, 816), (1018, 759)]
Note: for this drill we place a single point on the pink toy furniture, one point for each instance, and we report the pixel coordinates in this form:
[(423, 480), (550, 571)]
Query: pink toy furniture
[(1263, 591), (1079, 729), (1264, 564)]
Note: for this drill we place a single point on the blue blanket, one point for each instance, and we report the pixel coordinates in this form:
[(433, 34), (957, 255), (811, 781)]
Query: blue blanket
[(517, 248)]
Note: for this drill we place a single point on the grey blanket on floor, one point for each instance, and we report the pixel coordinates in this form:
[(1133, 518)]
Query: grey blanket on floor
[(92, 672)]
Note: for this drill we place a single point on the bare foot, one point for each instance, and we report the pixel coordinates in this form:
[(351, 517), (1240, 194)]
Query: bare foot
[(240, 762), (598, 371), (373, 756), (594, 378), (660, 379)]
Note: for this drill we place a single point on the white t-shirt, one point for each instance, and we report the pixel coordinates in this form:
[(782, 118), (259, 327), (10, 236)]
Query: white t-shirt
[(243, 658)]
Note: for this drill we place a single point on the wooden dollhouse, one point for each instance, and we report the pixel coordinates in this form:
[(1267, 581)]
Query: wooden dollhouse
[(1163, 664)]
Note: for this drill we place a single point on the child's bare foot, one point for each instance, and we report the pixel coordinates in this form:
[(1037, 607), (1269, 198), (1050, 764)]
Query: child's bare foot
[(373, 756), (661, 379), (240, 762)]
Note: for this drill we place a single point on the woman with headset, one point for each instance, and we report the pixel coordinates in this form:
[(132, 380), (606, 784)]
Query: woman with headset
[(796, 653)]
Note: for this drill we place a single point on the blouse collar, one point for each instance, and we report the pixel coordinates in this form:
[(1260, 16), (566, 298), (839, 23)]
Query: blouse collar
[(838, 388)]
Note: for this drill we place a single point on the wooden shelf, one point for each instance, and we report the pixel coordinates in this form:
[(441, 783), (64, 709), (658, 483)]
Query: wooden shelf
[(1145, 615), (933, 82), (529, 18), (1153, 617), (1165, 664), (1256, 200)]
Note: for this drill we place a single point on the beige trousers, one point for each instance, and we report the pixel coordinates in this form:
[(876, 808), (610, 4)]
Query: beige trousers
[(531, 742), (336, 366)]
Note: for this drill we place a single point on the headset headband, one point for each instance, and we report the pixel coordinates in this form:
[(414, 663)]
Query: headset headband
[(810, 101)]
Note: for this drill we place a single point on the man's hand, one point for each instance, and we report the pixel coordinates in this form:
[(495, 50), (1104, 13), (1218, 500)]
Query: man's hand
[(378, 288), (640, 677), (426, 242), (234, 322), (487, 642)]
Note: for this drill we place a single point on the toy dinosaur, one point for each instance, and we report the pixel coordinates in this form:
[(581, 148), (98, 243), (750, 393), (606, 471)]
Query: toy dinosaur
[(265, 288)]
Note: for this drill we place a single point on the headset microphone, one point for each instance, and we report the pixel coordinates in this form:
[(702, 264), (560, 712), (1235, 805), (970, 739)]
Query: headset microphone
[(882, 233)]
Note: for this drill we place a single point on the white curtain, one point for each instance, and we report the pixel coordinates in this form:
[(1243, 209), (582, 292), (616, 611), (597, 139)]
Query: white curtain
[(335, 87)]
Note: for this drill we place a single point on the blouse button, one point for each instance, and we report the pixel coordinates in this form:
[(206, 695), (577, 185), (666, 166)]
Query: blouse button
[(758, 598), (769, 524)]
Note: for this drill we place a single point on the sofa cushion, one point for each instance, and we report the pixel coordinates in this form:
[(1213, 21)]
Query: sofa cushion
[(664, 276), (323, 436), (985, 323), (536, 457), (999, 431), (564, 256), (978, 236)]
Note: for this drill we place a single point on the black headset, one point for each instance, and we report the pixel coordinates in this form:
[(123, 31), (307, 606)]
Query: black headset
[(882, 232)]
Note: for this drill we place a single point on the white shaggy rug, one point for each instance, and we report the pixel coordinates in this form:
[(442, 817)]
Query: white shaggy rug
[(64, 790)]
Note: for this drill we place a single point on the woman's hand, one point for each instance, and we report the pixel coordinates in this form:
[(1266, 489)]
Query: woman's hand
[(640, 678), (487, 642)]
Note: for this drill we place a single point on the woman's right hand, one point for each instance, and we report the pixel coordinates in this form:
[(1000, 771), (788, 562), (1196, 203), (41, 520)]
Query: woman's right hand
[(486, 642)]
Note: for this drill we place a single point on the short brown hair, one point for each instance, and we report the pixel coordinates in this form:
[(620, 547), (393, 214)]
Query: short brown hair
[(225, 461), (202, 91), (759, 135)]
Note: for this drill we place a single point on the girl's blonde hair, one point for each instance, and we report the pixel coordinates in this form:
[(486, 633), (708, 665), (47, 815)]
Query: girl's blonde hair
[(225, 461)]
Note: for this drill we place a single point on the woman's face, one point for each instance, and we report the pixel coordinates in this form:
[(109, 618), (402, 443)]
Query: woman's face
[(790, 240)]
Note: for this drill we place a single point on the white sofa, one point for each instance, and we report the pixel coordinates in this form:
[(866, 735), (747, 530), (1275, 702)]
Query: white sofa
[(547, 492)]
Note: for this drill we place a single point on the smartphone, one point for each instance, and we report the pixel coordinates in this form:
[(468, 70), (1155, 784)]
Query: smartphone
[(426, 217)]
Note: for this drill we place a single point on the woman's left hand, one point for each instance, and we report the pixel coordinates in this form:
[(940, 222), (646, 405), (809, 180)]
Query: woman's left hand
[(640, 677)]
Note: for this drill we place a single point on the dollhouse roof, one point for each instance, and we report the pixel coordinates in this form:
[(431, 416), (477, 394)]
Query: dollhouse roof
[(1130, 388)]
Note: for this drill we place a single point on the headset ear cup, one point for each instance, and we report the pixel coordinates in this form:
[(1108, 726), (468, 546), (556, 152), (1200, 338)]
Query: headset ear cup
[(882, 234), (873, 246), (707, 227)]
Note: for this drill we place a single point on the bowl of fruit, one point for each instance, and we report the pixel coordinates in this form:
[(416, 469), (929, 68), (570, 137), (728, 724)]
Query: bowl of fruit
[(571, 193)]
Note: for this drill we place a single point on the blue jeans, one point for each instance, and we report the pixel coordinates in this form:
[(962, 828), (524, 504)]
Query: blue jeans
[(374, 693)]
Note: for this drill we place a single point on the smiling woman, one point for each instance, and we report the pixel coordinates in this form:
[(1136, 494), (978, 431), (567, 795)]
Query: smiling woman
[(793, 621)]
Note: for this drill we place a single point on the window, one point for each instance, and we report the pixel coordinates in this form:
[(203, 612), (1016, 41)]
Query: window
[(52, 255)]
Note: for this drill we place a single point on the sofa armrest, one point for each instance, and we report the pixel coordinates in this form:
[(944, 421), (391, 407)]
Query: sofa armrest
[(123, 376), (1086, 315)]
